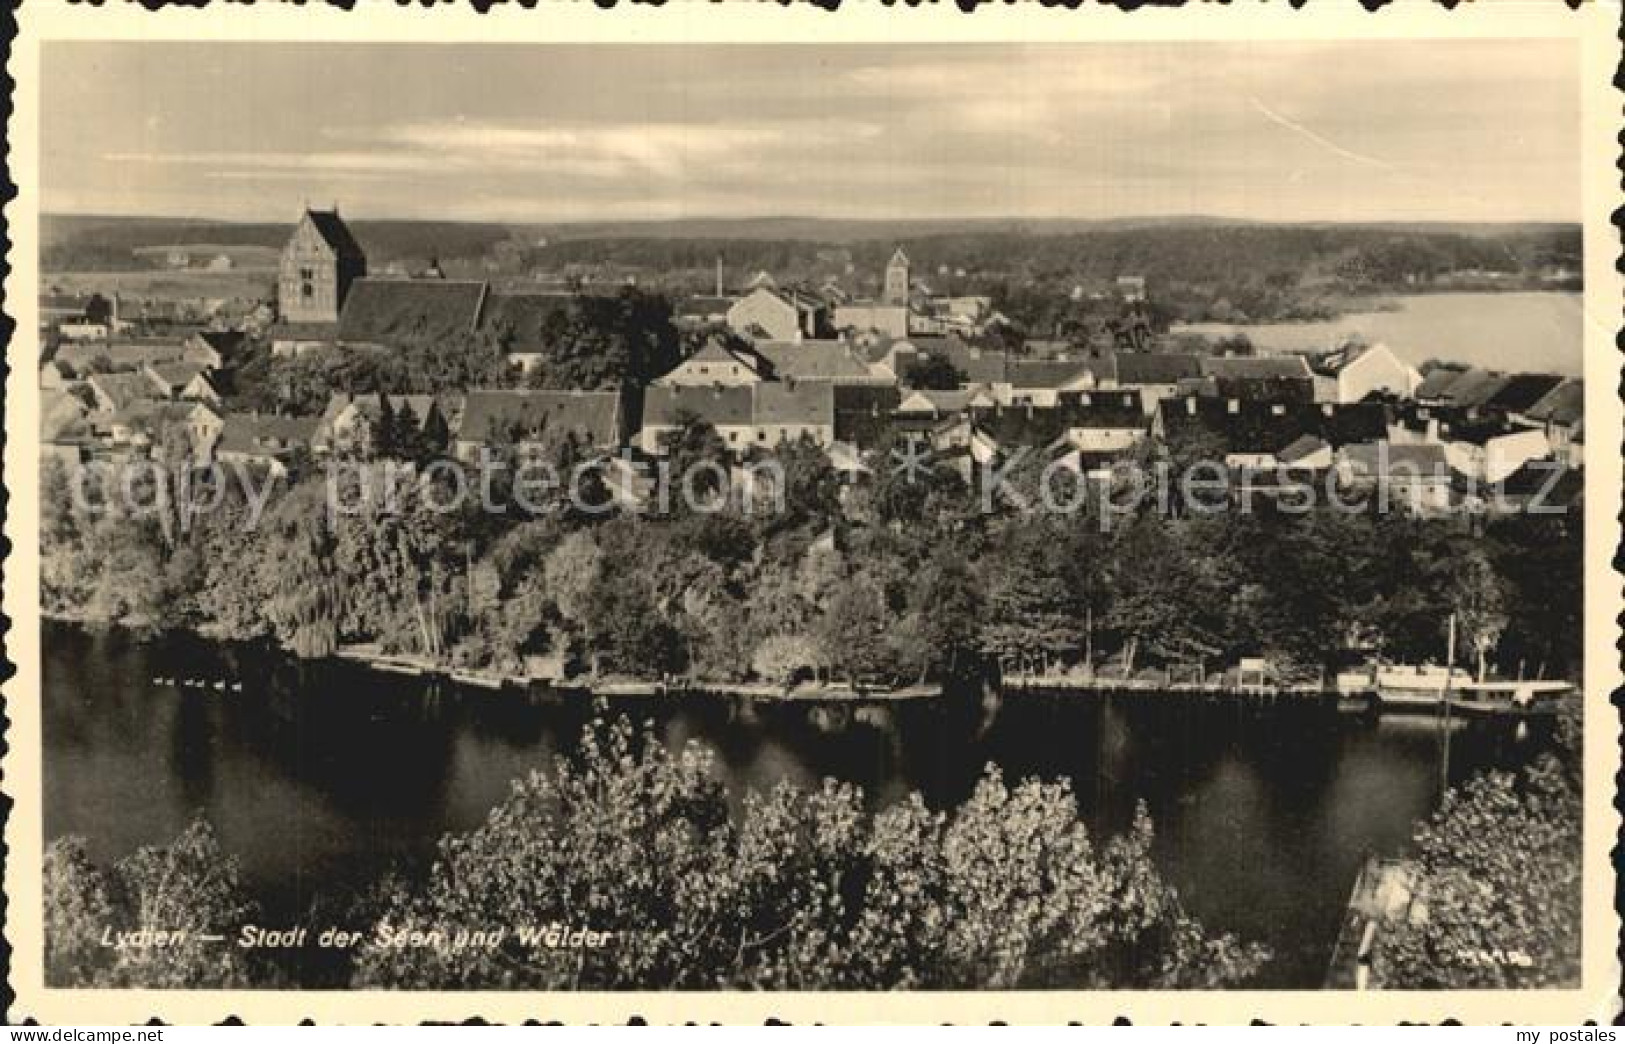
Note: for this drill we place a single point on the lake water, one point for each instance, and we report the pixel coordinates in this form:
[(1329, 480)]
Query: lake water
[(320, 778), (1534, 332)]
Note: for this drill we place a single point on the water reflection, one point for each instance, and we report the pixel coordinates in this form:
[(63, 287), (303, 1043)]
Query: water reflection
[(321, 777)]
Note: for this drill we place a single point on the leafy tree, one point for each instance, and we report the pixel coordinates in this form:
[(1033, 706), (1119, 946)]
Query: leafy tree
[(804, 890), (1168, 594), (1478, 598), (934, 372), (698, 460), (939, 633), (1037, 595), (307, 597), (190, 887), (851, 634), (1498, 889)]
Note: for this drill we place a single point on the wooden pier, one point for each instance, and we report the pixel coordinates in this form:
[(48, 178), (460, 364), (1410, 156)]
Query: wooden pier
[(1218, 685)]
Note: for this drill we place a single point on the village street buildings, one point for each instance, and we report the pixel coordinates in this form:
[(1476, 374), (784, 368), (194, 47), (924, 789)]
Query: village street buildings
[(760, 415), (850, 376)]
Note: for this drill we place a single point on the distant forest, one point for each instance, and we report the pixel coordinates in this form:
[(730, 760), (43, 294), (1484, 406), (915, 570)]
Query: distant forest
[(1195, 268), (109, 244)]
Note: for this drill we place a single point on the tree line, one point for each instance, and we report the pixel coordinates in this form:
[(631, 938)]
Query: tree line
[(896, 579)]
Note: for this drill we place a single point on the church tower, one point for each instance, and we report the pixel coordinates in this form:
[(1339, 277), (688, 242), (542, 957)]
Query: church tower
[(319, 264), (897, 284)]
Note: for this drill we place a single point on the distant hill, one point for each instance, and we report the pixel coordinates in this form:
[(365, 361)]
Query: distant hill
[(74, 242), (841, 230), (1200, 268)]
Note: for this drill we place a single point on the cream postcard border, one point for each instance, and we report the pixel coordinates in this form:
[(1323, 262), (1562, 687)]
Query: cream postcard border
[(1593, 28)]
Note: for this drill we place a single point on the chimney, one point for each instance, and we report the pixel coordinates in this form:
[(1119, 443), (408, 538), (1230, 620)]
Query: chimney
[(1190, 405), (719, 275)]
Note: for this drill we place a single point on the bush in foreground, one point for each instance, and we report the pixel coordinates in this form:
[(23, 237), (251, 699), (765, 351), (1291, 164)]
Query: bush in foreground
[(800, 890)]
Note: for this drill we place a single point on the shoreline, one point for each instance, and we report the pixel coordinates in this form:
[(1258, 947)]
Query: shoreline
[(414, 666)]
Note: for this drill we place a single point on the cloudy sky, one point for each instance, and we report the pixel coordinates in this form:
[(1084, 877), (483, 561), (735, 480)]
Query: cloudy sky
[(1329, 132)]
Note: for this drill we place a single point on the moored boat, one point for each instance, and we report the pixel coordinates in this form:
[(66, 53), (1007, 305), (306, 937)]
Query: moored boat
[(1511, 698), (1409, 687)]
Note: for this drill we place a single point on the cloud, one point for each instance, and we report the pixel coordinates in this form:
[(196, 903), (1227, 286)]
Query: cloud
[(1357, 129)]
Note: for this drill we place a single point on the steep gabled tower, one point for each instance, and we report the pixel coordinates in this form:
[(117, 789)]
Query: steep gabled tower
[(897, 282), (319, 264)]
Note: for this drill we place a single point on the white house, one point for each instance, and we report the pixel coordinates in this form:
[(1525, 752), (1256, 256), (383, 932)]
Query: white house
[(714, 364), (1352, 373), (1489, 457), (779, 315)]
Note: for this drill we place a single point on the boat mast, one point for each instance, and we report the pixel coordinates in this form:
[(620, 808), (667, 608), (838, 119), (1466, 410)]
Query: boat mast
[(1444, 726)]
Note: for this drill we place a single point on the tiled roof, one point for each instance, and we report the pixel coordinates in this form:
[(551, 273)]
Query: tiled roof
[(1156, 367), (226, 342), (720, 406), (1057, 373), (175, 375), (1255, 367), (950, 400), (1473, 388), (1041, 426), (978, 366), (123, 389), (819, 360), (1301, 447), (123, 355), (1564, 404), (153, 415), (250, 433), (805, 403), (385, 310), (1522, 391), (592, 417), (1264, 427), (335, 233), (1103, 409)]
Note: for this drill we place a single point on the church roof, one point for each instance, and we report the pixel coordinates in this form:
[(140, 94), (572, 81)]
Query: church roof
[(335, 233), (898, 258), (385, 310)]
